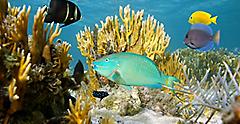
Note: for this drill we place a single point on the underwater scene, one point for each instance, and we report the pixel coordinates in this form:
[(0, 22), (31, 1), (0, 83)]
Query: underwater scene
[(119, 62)]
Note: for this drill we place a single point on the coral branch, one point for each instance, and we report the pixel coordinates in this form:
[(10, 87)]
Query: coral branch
[(24, 67), (31, 89), (39, 36), (20, 33), (129, 33), (18, 86), (78, 114), (13, 10), (217, 94), (12, 91), (63, 57), (52, 35)]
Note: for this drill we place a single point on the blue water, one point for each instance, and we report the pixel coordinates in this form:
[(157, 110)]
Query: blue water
[(173, 14)]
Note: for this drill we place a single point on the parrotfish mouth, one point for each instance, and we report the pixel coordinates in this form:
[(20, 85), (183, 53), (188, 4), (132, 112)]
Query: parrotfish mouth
[(95, 66)]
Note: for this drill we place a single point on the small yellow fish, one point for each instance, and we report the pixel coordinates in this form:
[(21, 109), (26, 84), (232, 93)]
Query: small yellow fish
[(202, 17)]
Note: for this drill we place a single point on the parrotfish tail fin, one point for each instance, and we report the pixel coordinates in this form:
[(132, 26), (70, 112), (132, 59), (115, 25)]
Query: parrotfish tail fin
[(216, 37), (214, 20), (171, 82)]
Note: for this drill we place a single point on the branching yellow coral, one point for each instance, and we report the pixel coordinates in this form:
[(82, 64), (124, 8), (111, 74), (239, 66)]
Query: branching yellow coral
[(41, 37), (13, 10), (52, 35), (24, 67), (12, 91), (63, 58), (20, 34), (78, 114), (131, 34), (13, 29), (171, 65), (17, 87), (134, 35)]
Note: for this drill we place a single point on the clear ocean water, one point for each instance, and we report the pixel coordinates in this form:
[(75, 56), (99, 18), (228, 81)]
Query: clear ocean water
[(173, 14)]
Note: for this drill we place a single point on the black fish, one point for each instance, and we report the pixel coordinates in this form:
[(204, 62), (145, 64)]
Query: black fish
[(78, 72), (100, 94), (78, 76), (62, 11)]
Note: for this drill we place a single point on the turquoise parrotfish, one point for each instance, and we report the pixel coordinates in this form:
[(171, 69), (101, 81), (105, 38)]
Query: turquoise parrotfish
[(130, 69)]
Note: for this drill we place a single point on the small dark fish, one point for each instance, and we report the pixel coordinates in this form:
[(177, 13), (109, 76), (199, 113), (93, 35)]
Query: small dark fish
[(63, 12), (100, 94), (78, 76), (78, 72), (200, 37)]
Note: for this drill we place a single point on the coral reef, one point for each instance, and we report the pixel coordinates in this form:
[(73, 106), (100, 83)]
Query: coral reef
[(200, 62), (129, 33), (78, 113), (217, 95), (148, 38), (133, 34), (125, 103), (34, 75), (158, 101), (35, 79)]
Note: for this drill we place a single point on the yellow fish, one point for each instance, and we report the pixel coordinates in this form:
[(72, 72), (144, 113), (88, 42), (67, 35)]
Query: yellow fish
[(202, 17)]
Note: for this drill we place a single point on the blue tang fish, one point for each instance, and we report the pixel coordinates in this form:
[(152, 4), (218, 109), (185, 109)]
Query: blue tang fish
[(201, 38), (130, 69)]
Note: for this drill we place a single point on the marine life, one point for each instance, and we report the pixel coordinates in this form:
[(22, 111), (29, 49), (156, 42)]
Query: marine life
[(130, 69), (78, 72), (78, 75), (200, 37), (100, 94), (38, 85), (202, 17), (62, 11)]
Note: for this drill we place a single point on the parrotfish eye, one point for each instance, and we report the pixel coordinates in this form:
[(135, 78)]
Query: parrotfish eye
[(107, 59)]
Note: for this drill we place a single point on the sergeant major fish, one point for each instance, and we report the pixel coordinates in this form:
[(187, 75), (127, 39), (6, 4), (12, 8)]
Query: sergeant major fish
[(130, 69), (62, 11)]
